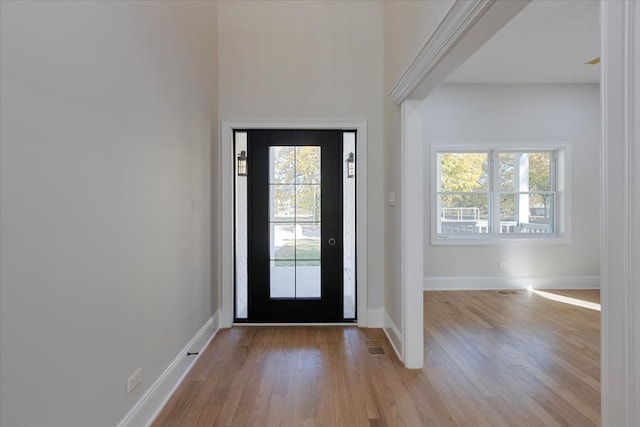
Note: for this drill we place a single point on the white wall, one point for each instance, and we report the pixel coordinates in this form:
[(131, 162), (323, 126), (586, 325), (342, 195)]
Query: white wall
[(309, 61), (106, 130), (467, 112), (407, 27)]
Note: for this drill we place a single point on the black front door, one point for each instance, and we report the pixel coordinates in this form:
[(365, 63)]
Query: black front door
[(295, 249)]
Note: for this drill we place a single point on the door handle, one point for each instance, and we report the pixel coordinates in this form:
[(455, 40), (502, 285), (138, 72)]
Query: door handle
[(332, 241)]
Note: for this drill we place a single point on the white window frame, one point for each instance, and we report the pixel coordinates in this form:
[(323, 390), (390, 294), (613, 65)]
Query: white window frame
[(562, 206)]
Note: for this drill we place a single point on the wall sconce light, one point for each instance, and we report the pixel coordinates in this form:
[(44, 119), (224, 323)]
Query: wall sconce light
[(351, 166), (242, 163)]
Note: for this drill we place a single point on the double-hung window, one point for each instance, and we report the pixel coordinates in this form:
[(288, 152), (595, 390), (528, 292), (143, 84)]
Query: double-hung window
[(485, 194)]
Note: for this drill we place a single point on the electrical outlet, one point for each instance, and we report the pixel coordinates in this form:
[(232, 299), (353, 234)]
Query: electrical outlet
[(134, 380), (502, 264)]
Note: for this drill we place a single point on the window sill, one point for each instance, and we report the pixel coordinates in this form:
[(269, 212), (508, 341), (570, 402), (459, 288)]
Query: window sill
[(501, 241)]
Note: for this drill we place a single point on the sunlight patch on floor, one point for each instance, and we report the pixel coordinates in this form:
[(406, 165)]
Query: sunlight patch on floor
[(567, 300)]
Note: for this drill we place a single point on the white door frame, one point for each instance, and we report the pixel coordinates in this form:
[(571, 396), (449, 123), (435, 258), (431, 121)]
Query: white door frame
[(227, 159), (412, 234), (620, 212)]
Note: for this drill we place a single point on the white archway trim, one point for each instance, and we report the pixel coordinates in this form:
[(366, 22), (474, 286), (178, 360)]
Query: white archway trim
[(620, 210), (466, 26), (227, 157)]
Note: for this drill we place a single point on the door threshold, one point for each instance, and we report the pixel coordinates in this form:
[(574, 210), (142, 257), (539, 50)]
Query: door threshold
[(354, 323)]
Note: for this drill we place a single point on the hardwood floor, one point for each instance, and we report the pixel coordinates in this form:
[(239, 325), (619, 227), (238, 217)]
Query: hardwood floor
[(491, 359)]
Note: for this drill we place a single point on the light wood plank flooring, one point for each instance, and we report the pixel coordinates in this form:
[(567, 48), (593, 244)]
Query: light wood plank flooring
[(491, 359)]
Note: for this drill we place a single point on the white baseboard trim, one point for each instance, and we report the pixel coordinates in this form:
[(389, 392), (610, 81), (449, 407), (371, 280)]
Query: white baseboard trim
[(465, 283), (151, 403), (375, 318), (393, 335)]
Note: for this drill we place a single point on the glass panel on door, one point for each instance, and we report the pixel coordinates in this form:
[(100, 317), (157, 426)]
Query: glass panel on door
[(295, 222)]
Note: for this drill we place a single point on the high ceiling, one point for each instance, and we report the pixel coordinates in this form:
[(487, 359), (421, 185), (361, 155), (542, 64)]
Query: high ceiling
[(548, 42)]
